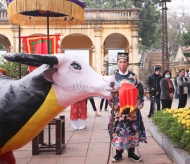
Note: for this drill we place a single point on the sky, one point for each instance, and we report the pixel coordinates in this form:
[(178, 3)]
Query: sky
[(179, 6)]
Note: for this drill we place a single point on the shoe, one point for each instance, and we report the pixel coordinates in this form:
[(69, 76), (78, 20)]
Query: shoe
[(134, 157), (100, 110), (117, 157), (149, 116), (105, 110), (82, 128)]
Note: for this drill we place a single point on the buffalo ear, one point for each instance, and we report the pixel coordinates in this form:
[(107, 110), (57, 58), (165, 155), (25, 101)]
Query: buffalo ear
[(48, 74)]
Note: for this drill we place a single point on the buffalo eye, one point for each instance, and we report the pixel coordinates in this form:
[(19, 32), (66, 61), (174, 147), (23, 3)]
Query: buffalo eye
[(75, 65)]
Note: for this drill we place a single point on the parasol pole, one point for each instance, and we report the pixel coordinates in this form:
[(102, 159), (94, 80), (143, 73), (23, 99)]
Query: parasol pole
[(114, 92), (19, 48), (48, 46)]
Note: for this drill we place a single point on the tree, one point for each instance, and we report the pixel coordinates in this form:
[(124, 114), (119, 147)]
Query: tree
[(149, 29), (178, 25), (2, 4), (186, 38), (108, 4), (2, 46), (13, 68)]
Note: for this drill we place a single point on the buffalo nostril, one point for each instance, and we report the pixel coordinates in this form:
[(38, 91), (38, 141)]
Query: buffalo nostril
[(112, 84)]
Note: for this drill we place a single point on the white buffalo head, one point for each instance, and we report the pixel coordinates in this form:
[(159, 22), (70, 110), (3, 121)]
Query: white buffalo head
[(72, 78), (77, 80)]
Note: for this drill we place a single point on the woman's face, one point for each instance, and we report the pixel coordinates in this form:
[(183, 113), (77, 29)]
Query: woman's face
[(168, 73), (122, 65), (182, 73)]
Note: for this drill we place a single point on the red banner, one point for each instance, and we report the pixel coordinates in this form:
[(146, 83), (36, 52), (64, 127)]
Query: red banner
[(38, 45)]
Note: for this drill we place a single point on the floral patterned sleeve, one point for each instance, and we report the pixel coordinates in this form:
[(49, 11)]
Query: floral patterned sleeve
[(140, 101), (115, 103)]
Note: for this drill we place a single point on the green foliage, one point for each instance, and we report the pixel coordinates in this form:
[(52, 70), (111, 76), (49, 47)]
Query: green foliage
[(186, 38), (174, 130), (185, 141), (109, 4), (2, 4), (2, 46), (13, 69), (178, 23), (149, 29)]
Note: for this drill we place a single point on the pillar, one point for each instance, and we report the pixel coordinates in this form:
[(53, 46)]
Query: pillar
[(134, 51), (102, 59), (98, 47), (15, 45), (93, 58)]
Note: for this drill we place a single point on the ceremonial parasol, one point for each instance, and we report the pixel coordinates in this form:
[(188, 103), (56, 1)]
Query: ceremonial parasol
[(45, 12)]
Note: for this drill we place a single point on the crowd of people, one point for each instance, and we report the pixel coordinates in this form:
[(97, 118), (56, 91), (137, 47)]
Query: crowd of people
[(163, 89), (126, 127)]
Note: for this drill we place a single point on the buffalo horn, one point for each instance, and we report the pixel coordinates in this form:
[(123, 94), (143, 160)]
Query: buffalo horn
[(31, 59)]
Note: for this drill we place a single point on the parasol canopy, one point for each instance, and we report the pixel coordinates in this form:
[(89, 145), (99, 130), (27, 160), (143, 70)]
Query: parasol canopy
[(36, 12), (45, 12)]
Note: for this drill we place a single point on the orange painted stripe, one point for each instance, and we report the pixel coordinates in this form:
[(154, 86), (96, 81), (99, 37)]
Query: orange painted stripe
[(48, 110)]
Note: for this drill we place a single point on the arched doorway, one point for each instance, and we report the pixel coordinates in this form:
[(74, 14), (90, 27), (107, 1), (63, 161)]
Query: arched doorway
[(80, 44), (113, 44), (4, 43)]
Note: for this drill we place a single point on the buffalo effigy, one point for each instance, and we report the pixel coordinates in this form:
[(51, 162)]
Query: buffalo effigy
[(27, 105)]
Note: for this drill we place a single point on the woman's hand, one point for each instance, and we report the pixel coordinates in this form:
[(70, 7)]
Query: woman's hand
[(116, 107), (171, 95)]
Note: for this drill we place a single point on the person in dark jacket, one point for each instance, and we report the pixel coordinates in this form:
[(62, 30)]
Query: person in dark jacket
[(167, 90), (154, 86), (176, 87), (187, 75), (183, 83)]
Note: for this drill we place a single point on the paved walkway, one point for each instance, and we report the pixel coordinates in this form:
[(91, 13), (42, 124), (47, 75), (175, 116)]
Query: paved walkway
[(91, 146)]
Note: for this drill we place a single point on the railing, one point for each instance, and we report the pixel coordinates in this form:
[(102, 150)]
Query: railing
[(3, 15), (98, 14), (111, 14), (179, 63)]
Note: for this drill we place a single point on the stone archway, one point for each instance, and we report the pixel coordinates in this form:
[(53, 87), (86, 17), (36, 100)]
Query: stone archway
[(4, 43), (94, 34), (78, 42), (114, 43)]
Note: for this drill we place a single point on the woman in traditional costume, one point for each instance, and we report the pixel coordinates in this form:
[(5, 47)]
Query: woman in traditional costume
[(128, 129), (78, 115), (3, 72)]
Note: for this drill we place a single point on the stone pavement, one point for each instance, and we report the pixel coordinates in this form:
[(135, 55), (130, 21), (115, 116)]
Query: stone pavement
[(91, 146)]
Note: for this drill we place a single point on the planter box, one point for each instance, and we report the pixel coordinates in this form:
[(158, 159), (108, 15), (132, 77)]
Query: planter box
[(178, 155)]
